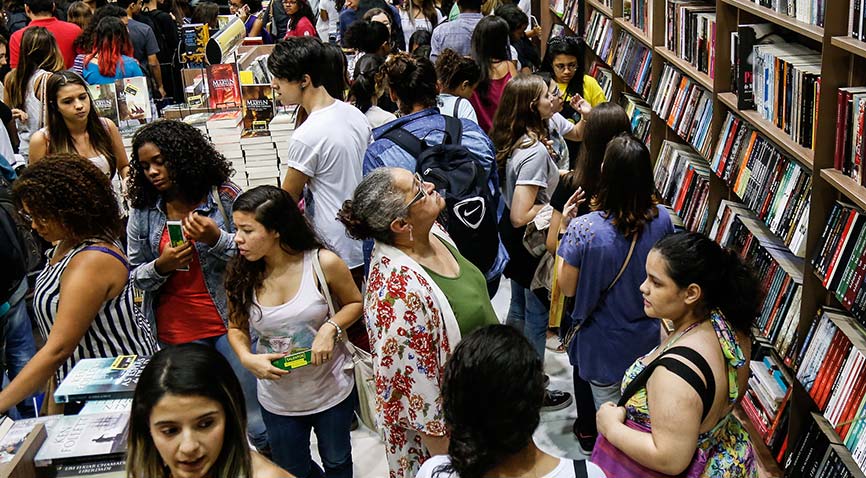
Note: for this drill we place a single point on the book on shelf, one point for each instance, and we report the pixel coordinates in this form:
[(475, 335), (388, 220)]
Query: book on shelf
[(76, 438), (686, 107), (194, 38), (806, 11), (682, 178), (640, 14), (101, 378), (258, 102), (690, 32), (818, 453), (857, 19), (106, 406), (14, 433), (786, 85), (773, 185), (571, 14), (604, 77), (839, 259), (743, 41), (631, 61), (850, 119), (766, 400), (133, 102), (599, 34), (640, 114)]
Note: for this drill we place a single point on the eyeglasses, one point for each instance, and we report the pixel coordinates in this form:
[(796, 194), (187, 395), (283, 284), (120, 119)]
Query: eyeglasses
[(563, 67), (422, 192), (26, 217)]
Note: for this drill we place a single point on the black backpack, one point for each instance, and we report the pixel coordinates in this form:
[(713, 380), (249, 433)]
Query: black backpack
[(457, 174), (25, 253)]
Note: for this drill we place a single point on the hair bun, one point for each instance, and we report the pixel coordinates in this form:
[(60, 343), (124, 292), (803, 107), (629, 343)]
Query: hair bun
[(355, 227)]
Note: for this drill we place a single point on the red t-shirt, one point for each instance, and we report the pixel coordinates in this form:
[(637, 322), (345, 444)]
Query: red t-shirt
[(304, 28), (185, 311), (64, 33)]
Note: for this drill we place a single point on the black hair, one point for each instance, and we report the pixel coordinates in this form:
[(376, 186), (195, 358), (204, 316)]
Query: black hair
[(367, 81), (255, 5), (87, 37), (515, 17), (398, 42), (469, 5), (453, 69), (420, 38), (490, 41), (336, 79), (194, 165), (626, 190), (727, 283), (40, 6), (295, 57), (572, 46), (274, 209), (206, 13), (367, 36), (412, 79), (304, 10), (486, 432)]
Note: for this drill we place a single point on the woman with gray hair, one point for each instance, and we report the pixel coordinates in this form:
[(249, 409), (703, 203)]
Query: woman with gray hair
[(421, 297)]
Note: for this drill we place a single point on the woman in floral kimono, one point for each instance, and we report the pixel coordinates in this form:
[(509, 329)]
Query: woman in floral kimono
[(422, 296)]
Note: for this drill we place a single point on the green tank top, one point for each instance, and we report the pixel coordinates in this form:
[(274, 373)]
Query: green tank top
[(466, 293)]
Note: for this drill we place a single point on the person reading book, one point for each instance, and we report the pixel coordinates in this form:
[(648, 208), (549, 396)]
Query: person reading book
[(274, 292), (676, 415), (177, 175), (188, 420), (83, 299)]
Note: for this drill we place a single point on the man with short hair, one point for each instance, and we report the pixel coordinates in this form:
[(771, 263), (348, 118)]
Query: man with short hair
[(41, 14), (328, 164), (144, 44), (457, 34)]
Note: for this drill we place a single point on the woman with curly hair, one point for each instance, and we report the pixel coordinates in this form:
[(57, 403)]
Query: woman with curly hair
[(110, 58), (457, 77), (275, 291), (73, 126), (82, 299), (177, 175)]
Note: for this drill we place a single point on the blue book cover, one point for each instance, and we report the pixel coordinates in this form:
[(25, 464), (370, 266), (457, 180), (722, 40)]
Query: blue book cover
[(100, 379)]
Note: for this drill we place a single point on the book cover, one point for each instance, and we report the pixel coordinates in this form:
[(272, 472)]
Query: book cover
[(224, 89), (194, 38), (133, 101), (17, 433), (107, 406), (84, 437), (103, 378), (258, 110), (105, 101)]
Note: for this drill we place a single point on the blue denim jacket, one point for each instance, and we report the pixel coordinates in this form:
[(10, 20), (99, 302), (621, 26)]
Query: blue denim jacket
[(144, 231), (429, 125)]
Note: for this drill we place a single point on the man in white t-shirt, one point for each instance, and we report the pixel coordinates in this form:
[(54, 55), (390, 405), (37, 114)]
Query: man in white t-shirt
[(326, 151)]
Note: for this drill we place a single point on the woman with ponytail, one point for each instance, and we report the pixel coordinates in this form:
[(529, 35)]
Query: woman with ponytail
[(690, 383), (493, 436), (367, 88)]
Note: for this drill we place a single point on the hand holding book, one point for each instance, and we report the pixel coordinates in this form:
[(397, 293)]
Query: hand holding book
[(261, 365), (201, 228)]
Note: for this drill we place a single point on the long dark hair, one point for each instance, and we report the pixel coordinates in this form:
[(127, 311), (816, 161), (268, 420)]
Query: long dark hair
[(304, 10), (38, 51), (274, 209), (572, 46), (368, 81), (188, 370), (518, 115), (490, 41), (194, 165), (727, 283), (427, 7), (604, 122), (626, 191), (486, 432), (112, 43), (59, 137)]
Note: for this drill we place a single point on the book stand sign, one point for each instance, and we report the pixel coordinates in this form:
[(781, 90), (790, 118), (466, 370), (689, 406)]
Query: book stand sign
[(22, 465)]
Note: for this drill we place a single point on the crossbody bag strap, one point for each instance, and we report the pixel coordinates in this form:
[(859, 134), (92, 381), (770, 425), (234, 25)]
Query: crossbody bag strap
[(624, 264), (214, 192), (326, 291), (580, 470)]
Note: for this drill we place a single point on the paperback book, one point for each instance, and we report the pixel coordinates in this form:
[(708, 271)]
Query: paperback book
[(101, 378), (76, 438)]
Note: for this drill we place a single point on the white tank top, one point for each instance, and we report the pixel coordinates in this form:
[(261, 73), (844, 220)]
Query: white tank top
[(294, 324)]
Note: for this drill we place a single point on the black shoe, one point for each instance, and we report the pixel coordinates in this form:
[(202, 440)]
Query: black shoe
[(555, 400), (585, 440)]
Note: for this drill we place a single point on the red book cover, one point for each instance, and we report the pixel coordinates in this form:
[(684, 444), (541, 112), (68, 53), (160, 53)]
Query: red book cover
[(778, 418), (844, 102), (780, 296), (681, 196), (833, 373), (735, 125), (845, 231), (224, 88), (821, 376)]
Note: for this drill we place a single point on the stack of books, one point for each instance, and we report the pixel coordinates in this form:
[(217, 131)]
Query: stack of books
[(224, 130), (819, 453), (281, 128), (686, 107), (683, 180), (766, 400), (840, 257), (850, 140), (639, 14)]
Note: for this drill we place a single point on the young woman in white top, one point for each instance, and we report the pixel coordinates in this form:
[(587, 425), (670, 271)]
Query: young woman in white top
[(457, 77), (419, 15), (273, 290)]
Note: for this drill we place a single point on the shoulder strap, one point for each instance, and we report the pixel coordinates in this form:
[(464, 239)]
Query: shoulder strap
[(580, 470), (624, 264), (457, 106), (214, 194), (706, 390), (320, 279), (107, 251), (453, 130), (405, 140)]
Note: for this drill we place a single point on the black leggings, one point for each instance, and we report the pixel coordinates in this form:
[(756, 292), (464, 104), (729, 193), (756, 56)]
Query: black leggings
[(585, 406)]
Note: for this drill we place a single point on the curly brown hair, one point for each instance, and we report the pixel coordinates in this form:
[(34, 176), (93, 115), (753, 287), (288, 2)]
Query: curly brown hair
[(194, 165), (70, 190)]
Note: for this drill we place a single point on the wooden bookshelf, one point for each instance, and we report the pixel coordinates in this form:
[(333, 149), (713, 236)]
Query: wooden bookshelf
[(849, 44), (702, 78), (767, 466), (810, 31), (845, 185), (634, 31), (804, 155), (607, 11)]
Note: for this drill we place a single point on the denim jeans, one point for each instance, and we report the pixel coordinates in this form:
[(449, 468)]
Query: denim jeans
[(20, 347), (290, 441), (605, 393), (528, 314), (256, 430)]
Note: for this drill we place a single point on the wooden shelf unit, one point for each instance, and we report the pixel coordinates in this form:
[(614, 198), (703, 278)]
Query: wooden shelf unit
[(843, 64)]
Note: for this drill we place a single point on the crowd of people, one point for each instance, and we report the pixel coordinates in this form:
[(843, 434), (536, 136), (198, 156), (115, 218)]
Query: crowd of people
[(446, 157)]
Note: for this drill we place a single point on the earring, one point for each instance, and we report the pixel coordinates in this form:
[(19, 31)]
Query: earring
[(411, 239)]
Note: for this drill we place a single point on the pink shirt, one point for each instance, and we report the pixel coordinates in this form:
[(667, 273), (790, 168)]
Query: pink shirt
[(485, 106)]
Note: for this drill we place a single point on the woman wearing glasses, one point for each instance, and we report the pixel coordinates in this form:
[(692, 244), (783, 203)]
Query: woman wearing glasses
[(421, 298), (301, 19)]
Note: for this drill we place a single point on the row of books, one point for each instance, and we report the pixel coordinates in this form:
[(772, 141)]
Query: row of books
[(599, 35), (833, 371), (850, 137), (857, 19), (639, 113), (786, 82), (569, 12), (806, 11), (691, 32), (779, 272), (631, 61), (639, 14), (766, 400), (774, 186), (604, 77), (818, 453), (686, 107), (840, 257), (682, 178)]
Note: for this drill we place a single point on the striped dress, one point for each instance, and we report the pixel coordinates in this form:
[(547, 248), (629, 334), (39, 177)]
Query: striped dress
[(119, 328)]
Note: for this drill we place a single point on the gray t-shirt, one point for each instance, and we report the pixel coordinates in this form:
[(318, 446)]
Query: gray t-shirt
[(531, 166), (143, 41)]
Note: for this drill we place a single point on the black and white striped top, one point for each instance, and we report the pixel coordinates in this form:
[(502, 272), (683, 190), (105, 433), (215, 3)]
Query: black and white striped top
[(119, 328)]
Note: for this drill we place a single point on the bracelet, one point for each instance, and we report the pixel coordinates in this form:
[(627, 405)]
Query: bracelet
[(339, 337)]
